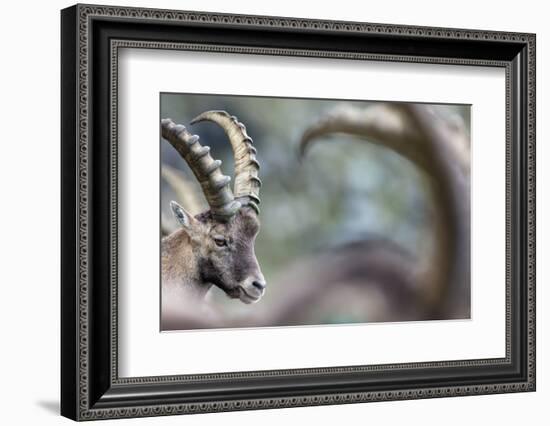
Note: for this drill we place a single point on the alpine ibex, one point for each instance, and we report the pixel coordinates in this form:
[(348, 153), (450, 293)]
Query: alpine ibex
[(215, 247)]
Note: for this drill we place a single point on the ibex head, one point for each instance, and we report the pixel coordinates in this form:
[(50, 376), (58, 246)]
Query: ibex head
[(222, 238)]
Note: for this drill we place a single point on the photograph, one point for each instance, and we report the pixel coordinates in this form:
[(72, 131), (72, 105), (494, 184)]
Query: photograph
[(266, 209), (280, 212)]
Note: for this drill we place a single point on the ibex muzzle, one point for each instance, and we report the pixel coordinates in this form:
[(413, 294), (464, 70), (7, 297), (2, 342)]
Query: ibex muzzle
[(215, 247)]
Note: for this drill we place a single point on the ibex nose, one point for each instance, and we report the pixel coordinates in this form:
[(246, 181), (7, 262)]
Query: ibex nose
[(260, 285)]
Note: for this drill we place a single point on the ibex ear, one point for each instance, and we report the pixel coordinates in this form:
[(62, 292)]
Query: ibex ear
[(183, 216)]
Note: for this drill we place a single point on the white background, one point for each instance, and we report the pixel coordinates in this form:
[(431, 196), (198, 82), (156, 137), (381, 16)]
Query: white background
[(29, 233), (146, 352)]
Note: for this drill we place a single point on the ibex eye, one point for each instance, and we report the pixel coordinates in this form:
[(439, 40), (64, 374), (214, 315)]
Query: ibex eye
[(220, 241)]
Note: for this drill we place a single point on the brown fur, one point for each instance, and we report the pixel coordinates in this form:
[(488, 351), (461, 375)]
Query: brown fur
[(192, 261)]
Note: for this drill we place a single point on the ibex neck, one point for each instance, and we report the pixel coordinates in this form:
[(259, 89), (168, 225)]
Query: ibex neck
[(180, 272)]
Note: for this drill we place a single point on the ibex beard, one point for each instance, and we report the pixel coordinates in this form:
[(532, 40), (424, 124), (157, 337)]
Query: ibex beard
[(216, 247)]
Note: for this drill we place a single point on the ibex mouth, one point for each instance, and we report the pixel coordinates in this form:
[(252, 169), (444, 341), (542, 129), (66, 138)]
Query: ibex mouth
[(248, 297)]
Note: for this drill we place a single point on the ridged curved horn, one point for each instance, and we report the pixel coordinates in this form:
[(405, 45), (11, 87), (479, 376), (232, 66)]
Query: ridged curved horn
[(184, 189), (215, 185), (392, 126), (247, 183), (442, 152), (383, 124)]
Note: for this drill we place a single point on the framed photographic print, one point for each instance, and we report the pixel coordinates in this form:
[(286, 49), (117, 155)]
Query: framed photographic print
[(263, 212)]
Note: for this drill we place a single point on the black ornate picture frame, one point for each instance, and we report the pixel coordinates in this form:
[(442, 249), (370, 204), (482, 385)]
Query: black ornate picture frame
[(90, 39)]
